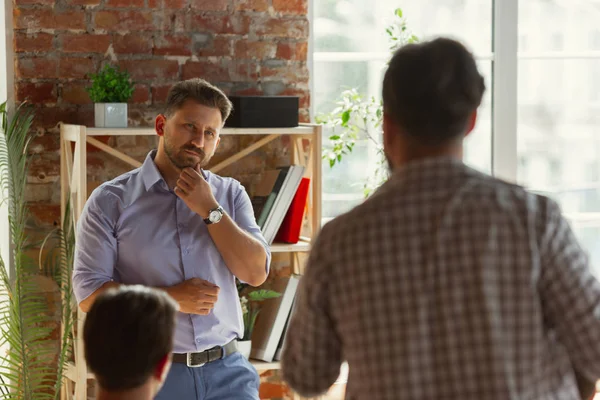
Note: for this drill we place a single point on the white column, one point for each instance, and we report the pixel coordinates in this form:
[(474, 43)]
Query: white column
[(504, 89)]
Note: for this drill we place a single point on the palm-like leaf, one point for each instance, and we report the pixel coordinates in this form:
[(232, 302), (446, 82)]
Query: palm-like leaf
[(26, 369)]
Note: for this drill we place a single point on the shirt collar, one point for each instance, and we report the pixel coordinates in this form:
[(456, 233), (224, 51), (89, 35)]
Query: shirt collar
[(150, 173)]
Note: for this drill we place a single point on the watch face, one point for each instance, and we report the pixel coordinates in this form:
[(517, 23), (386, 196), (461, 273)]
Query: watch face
[(215, 216)]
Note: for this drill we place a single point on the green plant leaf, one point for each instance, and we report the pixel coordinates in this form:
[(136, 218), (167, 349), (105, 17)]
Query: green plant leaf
[(398, 12)]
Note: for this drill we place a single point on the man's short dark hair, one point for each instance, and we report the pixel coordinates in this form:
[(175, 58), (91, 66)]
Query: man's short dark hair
[(127, 332), (202, 93), (431, 89)]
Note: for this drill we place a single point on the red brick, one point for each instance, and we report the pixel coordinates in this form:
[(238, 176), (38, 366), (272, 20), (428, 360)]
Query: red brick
[(37, 42), (291, 28), (173, 46), (141, 94), (245, 71), (75, 94), (292, 51), (36, 93), (84, 2), (151, 69), (48, 18), (206, 70), (210, 5), (28, 2), (216, 46), (251, 5), (245, 49), (77, 68), (38, 68), (124, 3), (124, 20), (85, 43), (43, 170), (159, 93), (238, 24), (167, 4), (252, 91), (289, 73), (297, 7), (132, 44), (45, 214)]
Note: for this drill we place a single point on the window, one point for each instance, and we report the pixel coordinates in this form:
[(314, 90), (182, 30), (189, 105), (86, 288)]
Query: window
[(546, 124), (558, 145), (351, 50)]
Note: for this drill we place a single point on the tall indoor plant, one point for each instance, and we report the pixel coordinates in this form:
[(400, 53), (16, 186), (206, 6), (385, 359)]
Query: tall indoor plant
[(28, 369), (110, 91), (358, 117)]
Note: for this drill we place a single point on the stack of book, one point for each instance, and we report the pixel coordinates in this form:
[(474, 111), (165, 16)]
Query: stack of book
[(279, 203), (271, 325)]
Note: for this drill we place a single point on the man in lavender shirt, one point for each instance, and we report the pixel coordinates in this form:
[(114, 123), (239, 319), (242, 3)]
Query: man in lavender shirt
[(174, 226)]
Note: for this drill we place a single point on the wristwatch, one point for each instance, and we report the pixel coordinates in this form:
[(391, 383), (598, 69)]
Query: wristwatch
[(214, 215)]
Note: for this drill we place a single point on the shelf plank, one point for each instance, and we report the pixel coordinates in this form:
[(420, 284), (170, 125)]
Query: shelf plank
[(262, 366), (299, 130), (299, 247)]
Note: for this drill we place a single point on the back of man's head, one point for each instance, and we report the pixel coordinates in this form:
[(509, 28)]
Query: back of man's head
[(128, 336), (431, 90)]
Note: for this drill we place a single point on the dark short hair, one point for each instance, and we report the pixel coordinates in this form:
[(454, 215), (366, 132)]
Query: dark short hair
[(430, 90), (200, 91), (127, 332)]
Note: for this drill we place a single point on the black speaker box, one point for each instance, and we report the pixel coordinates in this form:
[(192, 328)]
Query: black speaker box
[(263, 112)]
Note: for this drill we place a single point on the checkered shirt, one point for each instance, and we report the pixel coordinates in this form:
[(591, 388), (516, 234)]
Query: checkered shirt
[(446, 284)]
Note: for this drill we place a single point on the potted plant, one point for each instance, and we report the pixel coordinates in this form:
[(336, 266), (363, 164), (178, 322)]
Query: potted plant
[(250, 302), (30, 294), (110, 91), (358, 117)]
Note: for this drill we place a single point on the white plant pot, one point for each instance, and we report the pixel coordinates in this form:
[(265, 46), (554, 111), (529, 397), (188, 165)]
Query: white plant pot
[(110, 115), (244, 347)]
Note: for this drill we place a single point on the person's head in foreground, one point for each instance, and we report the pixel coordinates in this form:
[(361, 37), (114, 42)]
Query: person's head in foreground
[(190, 125), (431, 92), (128, 339)]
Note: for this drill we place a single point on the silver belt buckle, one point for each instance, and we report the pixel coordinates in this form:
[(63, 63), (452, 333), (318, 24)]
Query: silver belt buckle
[(190, 363)]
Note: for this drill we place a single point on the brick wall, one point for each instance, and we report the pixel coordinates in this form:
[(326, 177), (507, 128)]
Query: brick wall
[(244, 47)]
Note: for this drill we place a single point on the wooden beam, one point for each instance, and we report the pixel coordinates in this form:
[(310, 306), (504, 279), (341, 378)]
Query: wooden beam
[(227, 162), (113, 152), (69, 132), (316, 187)]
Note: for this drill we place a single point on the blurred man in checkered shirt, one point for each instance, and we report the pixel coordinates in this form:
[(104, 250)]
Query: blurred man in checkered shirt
[(447, 283)]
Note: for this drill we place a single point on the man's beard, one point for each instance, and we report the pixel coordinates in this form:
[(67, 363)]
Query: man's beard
[(180, 159)]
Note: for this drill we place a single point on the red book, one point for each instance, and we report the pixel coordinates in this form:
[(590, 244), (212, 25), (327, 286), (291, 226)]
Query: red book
[(289, 231)]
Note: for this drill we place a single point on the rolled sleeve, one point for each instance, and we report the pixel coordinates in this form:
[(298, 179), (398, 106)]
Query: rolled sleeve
[(244, 218), (95, 244), (313, 351)]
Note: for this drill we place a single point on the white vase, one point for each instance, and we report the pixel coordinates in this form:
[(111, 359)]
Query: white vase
[(244, 347), (110, 115)]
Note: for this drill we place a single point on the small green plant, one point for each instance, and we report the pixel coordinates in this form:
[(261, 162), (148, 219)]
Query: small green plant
[(250, 303), (111, 85), (358, 117)]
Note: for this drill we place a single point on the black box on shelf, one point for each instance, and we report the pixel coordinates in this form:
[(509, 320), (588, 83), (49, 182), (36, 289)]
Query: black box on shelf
[(263, 112)]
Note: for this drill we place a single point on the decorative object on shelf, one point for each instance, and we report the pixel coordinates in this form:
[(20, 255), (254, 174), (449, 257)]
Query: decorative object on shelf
[(250, 302), (358, 118), (29, 366), (110, 91), (263, 112)]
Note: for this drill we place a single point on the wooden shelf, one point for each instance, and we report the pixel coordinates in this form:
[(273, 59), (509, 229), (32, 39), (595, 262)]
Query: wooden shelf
[(299, 130), (262, 366), (300, 247)]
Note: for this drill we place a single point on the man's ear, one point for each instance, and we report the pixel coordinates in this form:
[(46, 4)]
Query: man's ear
[(162, 368), (472, 122), (159, 124)]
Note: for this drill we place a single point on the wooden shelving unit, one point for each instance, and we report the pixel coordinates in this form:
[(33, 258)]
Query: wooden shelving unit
[(73, 168)]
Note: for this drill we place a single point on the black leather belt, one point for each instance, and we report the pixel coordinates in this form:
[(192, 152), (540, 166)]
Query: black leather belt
[(207, 356)]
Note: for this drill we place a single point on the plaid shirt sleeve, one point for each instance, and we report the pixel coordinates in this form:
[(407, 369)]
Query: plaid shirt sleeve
[(570, 294), (312, 357)]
